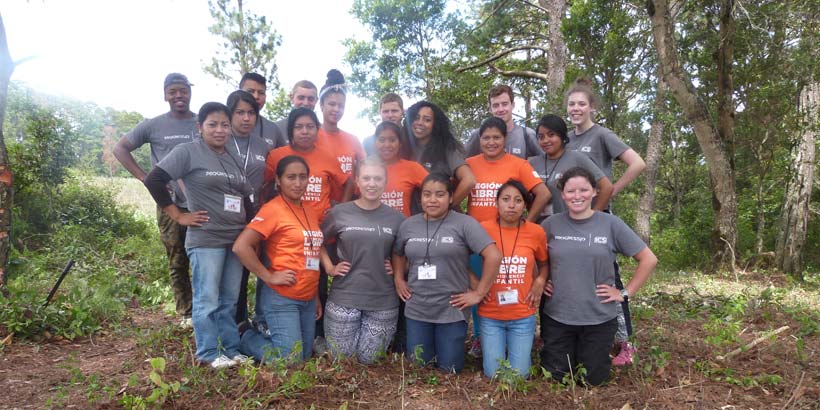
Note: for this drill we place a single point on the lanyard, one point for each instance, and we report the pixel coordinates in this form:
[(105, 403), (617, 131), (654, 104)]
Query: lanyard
[(225, 170), (247, 152), (549, 174), (307, 229), (429, 238), (508, 265)]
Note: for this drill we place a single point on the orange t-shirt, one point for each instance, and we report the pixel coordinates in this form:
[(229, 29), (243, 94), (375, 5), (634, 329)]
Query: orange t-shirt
[(346, 148), (520, 262), (402, 177), (489, 176), (325, 176), (292, 236)]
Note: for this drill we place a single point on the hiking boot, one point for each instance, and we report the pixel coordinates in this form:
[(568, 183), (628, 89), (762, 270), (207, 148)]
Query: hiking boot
[(222, 362), (624, 357), (475, 347)]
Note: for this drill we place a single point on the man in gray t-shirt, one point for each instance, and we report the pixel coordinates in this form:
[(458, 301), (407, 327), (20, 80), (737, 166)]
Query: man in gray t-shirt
[(520, 141), (304, 94), (257, 86), (450, 242), (391, 108), (581, 256), (364, 238), (163, 133)]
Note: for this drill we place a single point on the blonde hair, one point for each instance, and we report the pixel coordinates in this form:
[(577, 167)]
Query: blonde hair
[(373, 161)]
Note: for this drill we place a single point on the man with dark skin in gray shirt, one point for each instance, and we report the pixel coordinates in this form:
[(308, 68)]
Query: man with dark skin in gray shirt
[(163, 133)]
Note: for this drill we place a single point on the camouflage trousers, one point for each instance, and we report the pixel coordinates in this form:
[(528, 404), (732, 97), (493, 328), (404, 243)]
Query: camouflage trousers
[(173, 237)]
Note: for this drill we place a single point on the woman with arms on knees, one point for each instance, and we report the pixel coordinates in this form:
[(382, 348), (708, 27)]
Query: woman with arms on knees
[(362, 308), (251, 153), (602, 146), (293, 240), (581, 306), (216, 187), (403, 176), (552, 136), (507, 315), (435, 246), (436, 149)]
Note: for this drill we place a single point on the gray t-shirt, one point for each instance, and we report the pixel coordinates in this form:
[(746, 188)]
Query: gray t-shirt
[(214, 183), (369, 145), (283, 128), (520, 142), (551, 170), (251, 153), (581, 256), (270, 133), (450, 242), (601, 146), (163, 133), (364, 238), (453, 159)]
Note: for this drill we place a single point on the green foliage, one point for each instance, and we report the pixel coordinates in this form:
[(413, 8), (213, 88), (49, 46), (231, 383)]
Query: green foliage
[(248, 44), (160, 393)]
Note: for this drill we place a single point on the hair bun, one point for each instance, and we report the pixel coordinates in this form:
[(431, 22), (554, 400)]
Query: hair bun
[(334, 77), (584, 81)]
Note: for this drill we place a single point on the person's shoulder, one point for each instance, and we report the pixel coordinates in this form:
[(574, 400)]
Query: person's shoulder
[(389, 212), (475, 160)]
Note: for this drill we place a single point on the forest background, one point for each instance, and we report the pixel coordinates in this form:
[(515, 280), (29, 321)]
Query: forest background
[(719, 97)]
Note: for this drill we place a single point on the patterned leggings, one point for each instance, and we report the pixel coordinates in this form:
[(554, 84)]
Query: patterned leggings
[(361, 333)]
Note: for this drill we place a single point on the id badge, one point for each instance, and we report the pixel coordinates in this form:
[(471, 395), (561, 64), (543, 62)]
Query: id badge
[(312, 263), (507, 297), (233, 203), (427, 272)]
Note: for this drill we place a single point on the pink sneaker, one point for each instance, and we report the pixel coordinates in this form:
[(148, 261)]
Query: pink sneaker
[(624, 357), (475, 347)]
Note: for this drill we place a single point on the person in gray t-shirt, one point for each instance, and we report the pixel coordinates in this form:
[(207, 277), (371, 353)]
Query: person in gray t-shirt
[(581, 306), (435, 246), (216, 190), (391, 108), (303, 94), (520, 141), (163, 133), (362, 308), (552, 136), (257, 86)]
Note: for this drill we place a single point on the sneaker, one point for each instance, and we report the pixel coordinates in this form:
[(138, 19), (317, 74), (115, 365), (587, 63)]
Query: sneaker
[(624, 357), (222, 362), (242, 359), (475, 347), (319, 345), (186, 323)]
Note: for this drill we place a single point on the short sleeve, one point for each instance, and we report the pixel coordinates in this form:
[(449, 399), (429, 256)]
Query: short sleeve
[(419, 173), (540, 245), (178, 162), (528, 176), (141, 134), (455, 159), (328, 225), (265, 222), (472, 147), (270, 165), (626, 240), (401, 238), (614, 145), (475, 236)]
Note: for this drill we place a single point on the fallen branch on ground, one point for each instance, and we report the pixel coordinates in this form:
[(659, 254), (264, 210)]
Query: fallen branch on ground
[(752, 344)]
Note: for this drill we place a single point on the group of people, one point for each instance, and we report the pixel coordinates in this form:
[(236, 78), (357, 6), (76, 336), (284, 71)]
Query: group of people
[(363, 248)]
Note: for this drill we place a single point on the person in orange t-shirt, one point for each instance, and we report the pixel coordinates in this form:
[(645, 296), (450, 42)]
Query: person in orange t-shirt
[(325, 175), (507, 314), (293, 242), (403, 176), (345, 147), (493, 167)]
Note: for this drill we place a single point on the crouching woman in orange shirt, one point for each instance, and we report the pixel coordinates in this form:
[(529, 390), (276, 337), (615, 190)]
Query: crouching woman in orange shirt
[(293, 240)]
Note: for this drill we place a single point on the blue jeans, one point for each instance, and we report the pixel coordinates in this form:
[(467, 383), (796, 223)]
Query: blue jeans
[(291, 327), (216, 276), (507, 339), (476, 265), (443, 341)]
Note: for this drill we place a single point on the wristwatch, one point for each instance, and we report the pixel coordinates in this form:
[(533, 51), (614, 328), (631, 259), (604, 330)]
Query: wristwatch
[(625, 293)]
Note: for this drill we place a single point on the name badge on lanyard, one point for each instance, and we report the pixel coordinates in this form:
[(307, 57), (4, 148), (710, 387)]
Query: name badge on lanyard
[(507, 297), (312, 263), (427, 272), (233, 203)]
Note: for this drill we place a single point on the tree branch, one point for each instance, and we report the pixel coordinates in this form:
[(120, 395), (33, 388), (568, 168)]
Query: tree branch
[(498, 55), (519, 73)]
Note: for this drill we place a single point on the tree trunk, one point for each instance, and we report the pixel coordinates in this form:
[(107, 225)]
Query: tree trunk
[(557, 52), (794, 217), (6, 179), (653, 152), (715, 142)]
